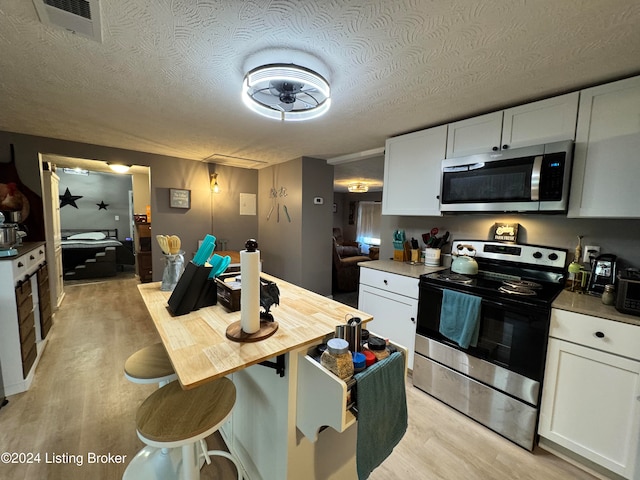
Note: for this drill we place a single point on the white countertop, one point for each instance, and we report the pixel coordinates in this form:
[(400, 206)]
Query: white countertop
[(591, 305), (400, 268)]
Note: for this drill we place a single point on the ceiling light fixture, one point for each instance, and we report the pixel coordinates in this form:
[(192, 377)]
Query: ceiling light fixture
[(119, 168), (215, 188), (76, 171), (358, 187), (286, 92)]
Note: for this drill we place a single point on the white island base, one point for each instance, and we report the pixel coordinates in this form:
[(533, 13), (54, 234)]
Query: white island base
[(265, 432)]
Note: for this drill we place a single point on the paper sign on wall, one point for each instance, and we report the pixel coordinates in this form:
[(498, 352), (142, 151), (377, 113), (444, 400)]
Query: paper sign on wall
[(247, 204)]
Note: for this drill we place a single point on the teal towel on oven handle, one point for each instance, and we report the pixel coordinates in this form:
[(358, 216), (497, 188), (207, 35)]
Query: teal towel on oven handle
[(460, 317), (382, 412)]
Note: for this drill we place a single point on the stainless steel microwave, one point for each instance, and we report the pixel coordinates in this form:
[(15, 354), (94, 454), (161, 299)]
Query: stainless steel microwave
[(529, 179)]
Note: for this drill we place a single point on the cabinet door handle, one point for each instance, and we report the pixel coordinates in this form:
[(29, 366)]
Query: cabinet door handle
[(20, 264), (31, 257), (599, 334), (413, 320), (504, 147), (495, 149), (385, 282)]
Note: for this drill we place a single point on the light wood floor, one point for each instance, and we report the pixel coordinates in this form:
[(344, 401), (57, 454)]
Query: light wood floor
[(80, 402)]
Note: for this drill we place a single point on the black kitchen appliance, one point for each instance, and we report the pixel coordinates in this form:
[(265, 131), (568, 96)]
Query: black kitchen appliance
[(498, 381), (528, 179), (628, 298), (603, 272)]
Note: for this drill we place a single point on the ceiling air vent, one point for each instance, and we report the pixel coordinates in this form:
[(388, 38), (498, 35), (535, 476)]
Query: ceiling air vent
[(78, 16), (235, 161)]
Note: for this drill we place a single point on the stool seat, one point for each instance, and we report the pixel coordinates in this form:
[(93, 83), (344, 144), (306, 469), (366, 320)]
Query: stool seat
[(150, 365), (172, 417)]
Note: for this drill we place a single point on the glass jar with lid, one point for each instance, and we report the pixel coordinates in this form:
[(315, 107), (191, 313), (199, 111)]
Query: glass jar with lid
[(337, 359), (609, 295)]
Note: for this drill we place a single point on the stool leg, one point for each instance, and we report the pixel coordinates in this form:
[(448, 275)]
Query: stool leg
[(222, 453), (190, 463)]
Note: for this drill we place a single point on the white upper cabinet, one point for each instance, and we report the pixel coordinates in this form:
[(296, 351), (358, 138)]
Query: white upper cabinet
[(474, 135), (545, 121), (606, 164), (412, 164)]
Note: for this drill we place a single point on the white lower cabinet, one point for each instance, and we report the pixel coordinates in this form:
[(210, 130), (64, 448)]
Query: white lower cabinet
[(591, 395), (392, 300)]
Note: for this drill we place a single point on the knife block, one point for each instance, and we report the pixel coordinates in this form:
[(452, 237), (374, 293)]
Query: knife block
[(191, 290)]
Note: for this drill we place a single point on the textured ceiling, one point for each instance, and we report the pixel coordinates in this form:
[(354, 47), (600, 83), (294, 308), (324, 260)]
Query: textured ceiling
[(166, 78)]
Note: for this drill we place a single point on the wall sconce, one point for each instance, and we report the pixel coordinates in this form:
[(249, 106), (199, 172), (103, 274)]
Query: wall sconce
[(215, 188)]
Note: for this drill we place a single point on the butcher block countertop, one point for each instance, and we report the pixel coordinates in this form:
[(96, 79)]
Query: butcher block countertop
[(200, 351)]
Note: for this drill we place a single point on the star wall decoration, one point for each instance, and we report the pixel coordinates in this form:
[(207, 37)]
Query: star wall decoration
[(102, 205), (68, 199)]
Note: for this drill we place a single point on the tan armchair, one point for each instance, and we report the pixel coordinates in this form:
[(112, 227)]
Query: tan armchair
[(346, 256)]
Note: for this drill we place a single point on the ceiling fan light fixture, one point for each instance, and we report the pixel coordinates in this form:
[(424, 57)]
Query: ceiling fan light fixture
[(358, 187), (286, 92), (119, 167)]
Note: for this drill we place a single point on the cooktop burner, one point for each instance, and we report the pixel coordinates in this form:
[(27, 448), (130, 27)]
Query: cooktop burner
[(522, 285), (526, 274), (512, 290), (448, 276)]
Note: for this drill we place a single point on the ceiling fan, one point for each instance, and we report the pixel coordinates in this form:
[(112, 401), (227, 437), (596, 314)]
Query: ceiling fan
[(286, 92)]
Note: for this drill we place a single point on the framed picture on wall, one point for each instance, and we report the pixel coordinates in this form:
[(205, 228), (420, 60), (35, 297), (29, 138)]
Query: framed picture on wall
[(179, 198)]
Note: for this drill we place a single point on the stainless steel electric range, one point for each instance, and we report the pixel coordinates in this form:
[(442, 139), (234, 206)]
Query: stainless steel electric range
[(497, 381)]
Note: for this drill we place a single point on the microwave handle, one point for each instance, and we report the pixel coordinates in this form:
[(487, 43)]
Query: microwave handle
[(535, 178)]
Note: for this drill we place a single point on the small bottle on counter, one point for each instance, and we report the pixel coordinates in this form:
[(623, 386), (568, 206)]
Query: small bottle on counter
[(609, 295), (337, 359)]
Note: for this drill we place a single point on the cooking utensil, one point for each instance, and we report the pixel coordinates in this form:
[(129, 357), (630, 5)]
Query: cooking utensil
[(206, 249), (164, 243), (174, 244), (12, 217), (463, 263), (8, 234), (218, 265)]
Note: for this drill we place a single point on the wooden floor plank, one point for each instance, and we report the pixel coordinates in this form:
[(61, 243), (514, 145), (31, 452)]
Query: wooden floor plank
[(80, 402)]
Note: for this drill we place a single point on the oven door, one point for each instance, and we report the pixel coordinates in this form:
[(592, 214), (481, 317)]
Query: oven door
[(513, 334)]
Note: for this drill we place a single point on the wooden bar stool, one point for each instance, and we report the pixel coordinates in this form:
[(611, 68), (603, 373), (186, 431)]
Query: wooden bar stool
[(150, 365), (172, 417)]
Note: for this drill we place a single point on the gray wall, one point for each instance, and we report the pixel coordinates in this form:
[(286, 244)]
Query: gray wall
[(95, 188), (317, 177), (281, 243), (299, 250), (620, 237), (227, 223), (167, 172)]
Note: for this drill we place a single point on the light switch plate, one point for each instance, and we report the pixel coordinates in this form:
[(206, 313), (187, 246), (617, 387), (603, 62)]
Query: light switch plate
[(590, 251)]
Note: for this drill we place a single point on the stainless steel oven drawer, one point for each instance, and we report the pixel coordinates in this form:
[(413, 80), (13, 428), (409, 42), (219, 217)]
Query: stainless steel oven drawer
[(497, 411), (496, 376)]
